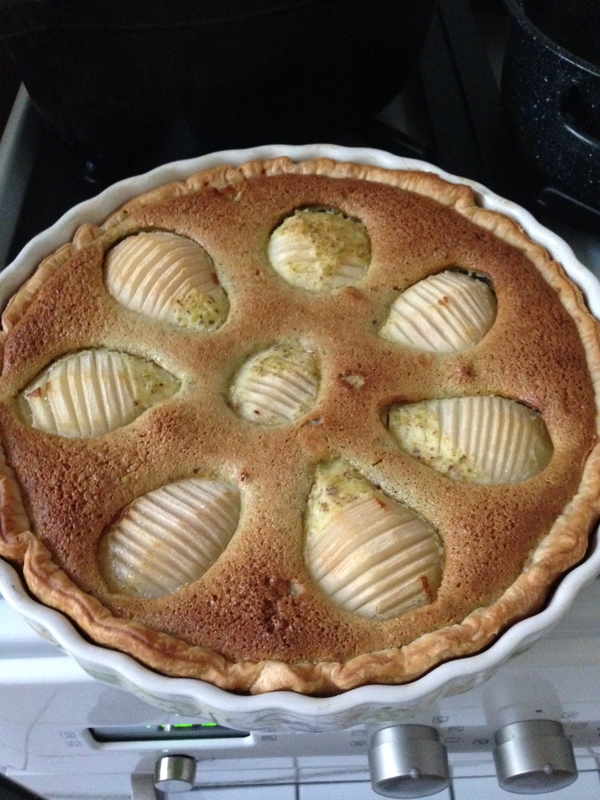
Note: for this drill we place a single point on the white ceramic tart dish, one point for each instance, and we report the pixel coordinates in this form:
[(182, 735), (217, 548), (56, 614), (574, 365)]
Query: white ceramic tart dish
[(297, 436)]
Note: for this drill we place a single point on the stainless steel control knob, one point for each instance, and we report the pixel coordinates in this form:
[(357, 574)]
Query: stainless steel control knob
[(175, 773), (534, 756), (408, 761)]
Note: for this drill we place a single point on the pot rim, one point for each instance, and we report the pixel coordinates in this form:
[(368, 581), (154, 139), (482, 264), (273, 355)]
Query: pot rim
[(517, 12)]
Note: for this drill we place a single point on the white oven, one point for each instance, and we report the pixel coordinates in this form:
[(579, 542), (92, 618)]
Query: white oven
[(66, 735), (534, 726)]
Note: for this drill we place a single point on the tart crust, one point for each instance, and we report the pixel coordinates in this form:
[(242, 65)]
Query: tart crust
[(256, 622)]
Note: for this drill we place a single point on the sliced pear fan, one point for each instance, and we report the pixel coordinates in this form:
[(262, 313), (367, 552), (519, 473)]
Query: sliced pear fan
[(94, 392), (277, 385), (320, 250), (168, 538), (485, 440), (444, 313), (370, 554), (167, 277)]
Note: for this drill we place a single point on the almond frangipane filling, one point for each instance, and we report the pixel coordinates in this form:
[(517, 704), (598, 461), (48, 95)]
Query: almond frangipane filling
[(373, 459), (94, 392)]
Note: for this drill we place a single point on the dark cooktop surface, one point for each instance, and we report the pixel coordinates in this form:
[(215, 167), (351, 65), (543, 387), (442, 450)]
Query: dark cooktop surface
[(450, 113)]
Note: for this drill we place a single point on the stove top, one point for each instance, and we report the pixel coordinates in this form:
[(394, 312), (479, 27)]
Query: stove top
[(450, 113)]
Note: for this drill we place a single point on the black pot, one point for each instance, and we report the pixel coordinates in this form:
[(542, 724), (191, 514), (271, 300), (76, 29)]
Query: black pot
[(128, 81), (551, 89)]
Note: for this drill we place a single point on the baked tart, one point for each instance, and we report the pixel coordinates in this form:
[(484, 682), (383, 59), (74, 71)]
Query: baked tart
[(298, 425)]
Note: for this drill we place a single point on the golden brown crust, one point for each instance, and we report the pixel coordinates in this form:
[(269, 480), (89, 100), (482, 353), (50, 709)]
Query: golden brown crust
[(267, 626)]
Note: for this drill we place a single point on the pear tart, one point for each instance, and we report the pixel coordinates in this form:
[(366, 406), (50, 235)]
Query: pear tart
[(299, 426)]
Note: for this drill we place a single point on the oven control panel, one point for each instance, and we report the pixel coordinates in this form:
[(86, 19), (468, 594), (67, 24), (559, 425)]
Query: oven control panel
[(535, 723)]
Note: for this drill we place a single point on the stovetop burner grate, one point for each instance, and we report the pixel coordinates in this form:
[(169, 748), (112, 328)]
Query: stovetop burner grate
[(450, 113)]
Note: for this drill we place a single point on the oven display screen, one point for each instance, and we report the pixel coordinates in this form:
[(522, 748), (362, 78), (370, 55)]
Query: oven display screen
[(162, 733)]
